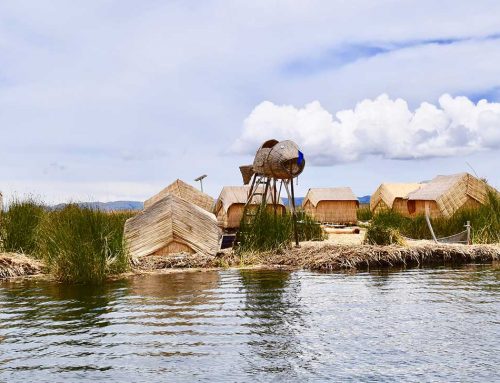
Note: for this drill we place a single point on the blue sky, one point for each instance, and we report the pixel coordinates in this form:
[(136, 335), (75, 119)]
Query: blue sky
[(113, 99)]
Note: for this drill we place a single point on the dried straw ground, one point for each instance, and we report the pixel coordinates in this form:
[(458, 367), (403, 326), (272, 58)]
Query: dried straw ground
[(331, 256), (16, 265)]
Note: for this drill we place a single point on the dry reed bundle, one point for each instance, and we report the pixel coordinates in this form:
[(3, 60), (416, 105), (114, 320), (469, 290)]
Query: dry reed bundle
[(16, 265), (338, 257), (334, 257)]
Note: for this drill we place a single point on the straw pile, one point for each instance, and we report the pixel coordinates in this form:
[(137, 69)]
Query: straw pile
[(324, 256), (338, 257), (16, 265)]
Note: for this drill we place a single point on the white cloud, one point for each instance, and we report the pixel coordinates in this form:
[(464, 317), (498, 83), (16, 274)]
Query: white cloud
[(382, 126)]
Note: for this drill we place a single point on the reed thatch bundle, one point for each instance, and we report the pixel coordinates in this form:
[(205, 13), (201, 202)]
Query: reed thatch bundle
[(172, 225), (185, 191), (16, 265), (333, 205), (327, 256), (444, 195), (337, 257)]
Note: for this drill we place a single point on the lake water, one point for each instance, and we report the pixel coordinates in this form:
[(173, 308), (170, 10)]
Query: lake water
[(439, 325)]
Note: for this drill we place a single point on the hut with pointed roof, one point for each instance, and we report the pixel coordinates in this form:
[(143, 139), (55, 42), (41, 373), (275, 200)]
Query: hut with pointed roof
[(185, 191), (445, 194), (333, 205), (172, 225), (392, 196), (231, 203)]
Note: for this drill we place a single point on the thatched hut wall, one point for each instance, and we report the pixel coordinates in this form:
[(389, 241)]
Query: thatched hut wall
[(400, 205), (172, 225), (341, 212), (231, 203), (332, 205)]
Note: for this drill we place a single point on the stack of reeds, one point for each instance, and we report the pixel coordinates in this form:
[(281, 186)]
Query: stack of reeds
[(16, 265)]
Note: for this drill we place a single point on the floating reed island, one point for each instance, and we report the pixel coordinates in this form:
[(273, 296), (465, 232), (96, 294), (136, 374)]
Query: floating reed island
[(327, 256), (250, 226)]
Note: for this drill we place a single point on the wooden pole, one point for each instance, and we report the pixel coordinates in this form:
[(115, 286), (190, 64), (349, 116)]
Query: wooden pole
[(294, 216), (467, 226), (427, 219)]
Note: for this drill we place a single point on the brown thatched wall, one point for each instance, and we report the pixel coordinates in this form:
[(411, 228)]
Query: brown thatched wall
[(342, 212), (418, 207), (232, 218), (400, 205)]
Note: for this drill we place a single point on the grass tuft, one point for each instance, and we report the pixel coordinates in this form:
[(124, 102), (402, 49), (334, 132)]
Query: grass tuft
[(381, 235), (83, 244), (269, 232), (364, 214), (18, 225), (485, 222)]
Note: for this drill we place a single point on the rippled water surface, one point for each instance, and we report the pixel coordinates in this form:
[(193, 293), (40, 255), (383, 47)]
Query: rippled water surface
[(417, 325)]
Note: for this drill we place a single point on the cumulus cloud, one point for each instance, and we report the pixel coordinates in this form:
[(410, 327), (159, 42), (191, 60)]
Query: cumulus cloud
[(383, 126)]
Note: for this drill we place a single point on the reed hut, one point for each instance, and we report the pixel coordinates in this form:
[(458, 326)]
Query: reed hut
[(332, 205), (185, 191), (444, 195), (231, 203), (392, 196), (172, 225)]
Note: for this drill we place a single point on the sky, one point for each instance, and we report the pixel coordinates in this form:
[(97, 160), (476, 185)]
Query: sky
[(113, 100)]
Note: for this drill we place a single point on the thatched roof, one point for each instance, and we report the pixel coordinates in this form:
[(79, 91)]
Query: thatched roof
[(231, 195), (450, 192), (316, 195), (185, 191), (438, 186), (388, 192), (172, 219)]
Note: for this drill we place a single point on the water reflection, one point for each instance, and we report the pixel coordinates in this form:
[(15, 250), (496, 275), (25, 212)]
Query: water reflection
[(417, 325), (272, 302)]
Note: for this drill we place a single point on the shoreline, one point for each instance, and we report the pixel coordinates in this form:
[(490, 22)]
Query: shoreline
[(313, 256)]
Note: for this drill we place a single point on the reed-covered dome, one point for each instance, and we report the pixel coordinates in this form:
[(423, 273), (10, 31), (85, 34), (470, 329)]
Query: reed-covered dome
[(185, 191), (172, 225)]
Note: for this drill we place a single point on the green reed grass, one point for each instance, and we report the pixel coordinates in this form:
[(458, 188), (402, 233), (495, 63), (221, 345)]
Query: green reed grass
[(364, 214), (18, 225), (485, 222), (83, 244), (267, 231)]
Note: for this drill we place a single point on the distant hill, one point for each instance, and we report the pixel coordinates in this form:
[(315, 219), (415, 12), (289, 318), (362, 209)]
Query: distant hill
[(109, 206), (137, 205), (364, 199)]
